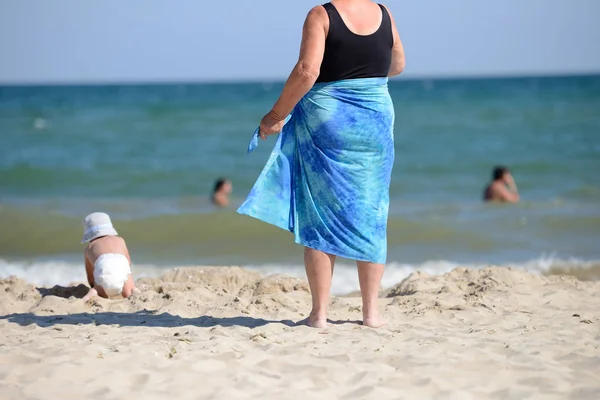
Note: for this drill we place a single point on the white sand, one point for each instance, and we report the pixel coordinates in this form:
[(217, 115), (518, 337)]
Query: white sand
[(224, 333)]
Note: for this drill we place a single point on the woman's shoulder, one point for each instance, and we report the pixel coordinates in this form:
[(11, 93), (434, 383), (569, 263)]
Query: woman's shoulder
[(317, 12), (317, 18), (389, 13), (385, 7)]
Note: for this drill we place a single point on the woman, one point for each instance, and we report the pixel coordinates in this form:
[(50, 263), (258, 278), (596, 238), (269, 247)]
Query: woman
[(328, 178), (502, 188)]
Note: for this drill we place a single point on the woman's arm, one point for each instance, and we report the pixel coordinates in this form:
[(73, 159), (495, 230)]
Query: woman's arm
[(506, 194), (304, 74), (398, 59), (513, 192)]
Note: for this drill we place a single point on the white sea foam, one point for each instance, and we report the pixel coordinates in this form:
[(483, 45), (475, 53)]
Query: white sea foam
[(345, 280)]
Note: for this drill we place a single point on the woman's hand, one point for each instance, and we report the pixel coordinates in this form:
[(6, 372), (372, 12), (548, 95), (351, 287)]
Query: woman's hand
[(271, 124), (509, 180)]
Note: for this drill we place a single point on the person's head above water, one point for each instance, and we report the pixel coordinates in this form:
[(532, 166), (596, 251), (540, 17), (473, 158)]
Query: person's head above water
[(221, 192), (499, 173), (502, 188), (222, 185)]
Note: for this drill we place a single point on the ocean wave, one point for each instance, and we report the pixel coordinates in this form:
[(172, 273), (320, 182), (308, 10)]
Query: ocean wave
[(345, 280)]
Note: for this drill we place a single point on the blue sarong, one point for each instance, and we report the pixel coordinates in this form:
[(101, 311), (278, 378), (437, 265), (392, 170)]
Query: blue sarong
[(327, 179)]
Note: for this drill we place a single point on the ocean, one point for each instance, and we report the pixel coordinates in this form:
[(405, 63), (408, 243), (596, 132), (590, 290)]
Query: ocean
[(149, 155)]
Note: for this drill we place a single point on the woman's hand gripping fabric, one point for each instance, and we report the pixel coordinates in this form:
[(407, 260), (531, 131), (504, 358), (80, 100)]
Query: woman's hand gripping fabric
[(270, 124)]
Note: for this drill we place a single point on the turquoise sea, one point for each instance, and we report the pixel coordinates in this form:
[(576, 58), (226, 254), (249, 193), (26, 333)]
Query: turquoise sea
[(149, 155)]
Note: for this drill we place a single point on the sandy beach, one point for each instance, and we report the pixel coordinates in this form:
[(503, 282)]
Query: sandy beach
[(228, 333)]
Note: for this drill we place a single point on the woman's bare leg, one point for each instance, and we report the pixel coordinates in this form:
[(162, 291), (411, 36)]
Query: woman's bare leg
[(319, 270), (369, 277)]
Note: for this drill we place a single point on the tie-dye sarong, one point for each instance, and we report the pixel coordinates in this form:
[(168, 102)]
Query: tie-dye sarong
[(327, 180)]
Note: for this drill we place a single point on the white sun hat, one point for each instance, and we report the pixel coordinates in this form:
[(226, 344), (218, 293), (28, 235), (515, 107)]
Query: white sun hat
[(96, 225)]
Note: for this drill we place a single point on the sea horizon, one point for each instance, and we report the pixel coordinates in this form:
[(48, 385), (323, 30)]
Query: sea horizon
[(281, 80)]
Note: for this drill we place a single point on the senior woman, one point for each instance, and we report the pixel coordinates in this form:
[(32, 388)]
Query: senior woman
[(328, 177)]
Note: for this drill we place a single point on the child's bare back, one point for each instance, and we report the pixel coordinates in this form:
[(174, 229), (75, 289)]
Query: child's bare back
[(107, 261), (106, 244)]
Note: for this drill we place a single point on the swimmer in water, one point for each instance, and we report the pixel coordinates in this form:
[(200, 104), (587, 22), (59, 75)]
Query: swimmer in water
[(502, 188), (221, 192)]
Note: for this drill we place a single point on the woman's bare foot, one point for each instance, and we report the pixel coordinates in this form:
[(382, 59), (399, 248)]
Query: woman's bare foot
[(314, 322), (373, 322)]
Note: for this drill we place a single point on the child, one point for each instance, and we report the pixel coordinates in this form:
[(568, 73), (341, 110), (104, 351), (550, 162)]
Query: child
[(107, 262)]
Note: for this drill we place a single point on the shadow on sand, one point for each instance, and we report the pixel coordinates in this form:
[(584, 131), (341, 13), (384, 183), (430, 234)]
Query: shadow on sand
[(146, 318)]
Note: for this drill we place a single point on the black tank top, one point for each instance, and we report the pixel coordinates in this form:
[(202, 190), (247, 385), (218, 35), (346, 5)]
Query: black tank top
[(351, 56)]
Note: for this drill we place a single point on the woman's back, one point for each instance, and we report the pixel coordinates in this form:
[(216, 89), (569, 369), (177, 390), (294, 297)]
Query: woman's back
[(359, 41)]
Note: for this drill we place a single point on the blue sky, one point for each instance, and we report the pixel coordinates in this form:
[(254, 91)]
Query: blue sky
[(195, 40)]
